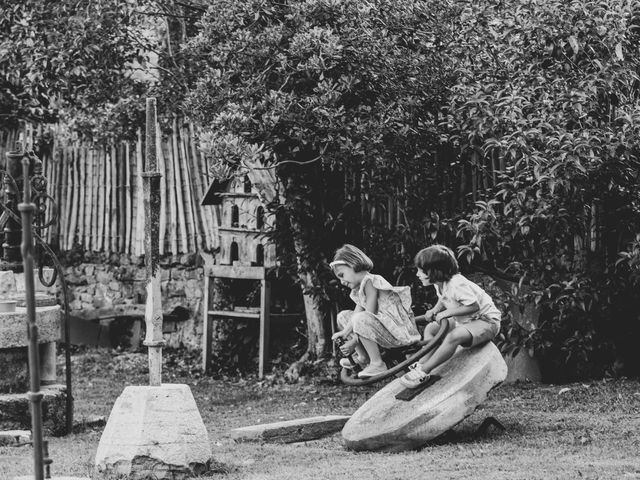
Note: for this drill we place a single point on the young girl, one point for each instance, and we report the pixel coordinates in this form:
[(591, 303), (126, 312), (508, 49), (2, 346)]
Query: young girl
[(382, 317), (476, 318)]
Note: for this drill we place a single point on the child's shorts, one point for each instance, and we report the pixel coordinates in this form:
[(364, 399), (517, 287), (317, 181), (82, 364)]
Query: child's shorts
[(481, 327)]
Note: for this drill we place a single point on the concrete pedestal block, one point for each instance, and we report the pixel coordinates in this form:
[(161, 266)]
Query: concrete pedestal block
[(154, 432), (15, 411)]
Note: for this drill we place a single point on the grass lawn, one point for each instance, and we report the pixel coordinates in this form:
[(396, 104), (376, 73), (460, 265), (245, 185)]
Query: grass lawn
[(585, 430)]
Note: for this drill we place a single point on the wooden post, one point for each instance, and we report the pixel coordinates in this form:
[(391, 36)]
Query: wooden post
[(162, 166), (94, 202), (139, 239), (127, 205), (263, 354), (172, 208), (88, 214), (123, 213), (153, 311), (182, 223), (207, 323), (114, 199), (82, 161), (193, 232), (102, 190)]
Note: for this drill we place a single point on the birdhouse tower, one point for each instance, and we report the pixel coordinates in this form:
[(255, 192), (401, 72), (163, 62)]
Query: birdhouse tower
[(244, 220)]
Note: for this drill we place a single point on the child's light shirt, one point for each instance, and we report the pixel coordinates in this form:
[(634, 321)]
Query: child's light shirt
[(394, 307), (460, 291)]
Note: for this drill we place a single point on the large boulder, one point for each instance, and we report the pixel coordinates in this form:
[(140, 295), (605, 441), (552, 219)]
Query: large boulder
[(388, 424)]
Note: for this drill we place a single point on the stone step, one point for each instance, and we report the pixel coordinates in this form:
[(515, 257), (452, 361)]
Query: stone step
[(14, 437), (15, 410)]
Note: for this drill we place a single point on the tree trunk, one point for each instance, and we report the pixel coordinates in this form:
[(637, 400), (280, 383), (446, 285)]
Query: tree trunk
[(317, 344), (316, 334)]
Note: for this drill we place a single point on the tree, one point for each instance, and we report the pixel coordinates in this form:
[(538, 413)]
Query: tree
[(78, 61), (550, 91), (324, 91)]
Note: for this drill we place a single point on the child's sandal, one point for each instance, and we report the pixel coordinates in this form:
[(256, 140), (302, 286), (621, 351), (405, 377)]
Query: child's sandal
[(414, 377)]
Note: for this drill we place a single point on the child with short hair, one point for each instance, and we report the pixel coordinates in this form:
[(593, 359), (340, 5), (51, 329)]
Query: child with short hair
[(476, 320), (382, 317)]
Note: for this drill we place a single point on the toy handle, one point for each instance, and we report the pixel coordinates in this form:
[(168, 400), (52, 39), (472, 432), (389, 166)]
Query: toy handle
[(339, 342)]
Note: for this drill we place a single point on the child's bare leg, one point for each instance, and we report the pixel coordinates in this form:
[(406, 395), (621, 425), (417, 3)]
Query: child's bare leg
[(429, 332), (362, 353), (457, 336), (373, 351)]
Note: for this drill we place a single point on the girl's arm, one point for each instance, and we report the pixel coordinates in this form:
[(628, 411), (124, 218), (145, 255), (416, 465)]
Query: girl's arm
[(429, 315), (343, 333), (349, 328), (371, 298), (457, 311)]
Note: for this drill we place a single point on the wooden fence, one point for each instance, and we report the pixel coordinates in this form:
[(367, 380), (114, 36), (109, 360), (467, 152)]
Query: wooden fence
[(98, 190)]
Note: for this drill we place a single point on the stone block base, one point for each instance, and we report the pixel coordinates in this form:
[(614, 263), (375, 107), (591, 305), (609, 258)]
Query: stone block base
[(15, 411), (154, 432)]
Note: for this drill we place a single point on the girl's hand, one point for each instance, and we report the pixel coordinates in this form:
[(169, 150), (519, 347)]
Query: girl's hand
[(429, 316), (337, 335), (440, 315), (348, 347)]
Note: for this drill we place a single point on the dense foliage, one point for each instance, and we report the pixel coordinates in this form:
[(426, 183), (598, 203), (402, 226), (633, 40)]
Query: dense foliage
[(506, 129), (550, 89), (329, 93), (80, 62)]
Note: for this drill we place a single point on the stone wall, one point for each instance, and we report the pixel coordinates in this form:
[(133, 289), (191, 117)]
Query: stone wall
[(102, 281)]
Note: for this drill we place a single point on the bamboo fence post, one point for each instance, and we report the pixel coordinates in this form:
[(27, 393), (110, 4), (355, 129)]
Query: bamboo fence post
[(57, 191), (47, 165), (101, 194), (127, 199), (139, 244), (192, 228), (123, 213), (172, 216), (182, 227), (107, 198), (88, 179), (195, 183), (199, 174), (52, 231), (66, 193), (81, 207), (94, 201), (162, 167), (114, 198), (134, 199), (73, 220)]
